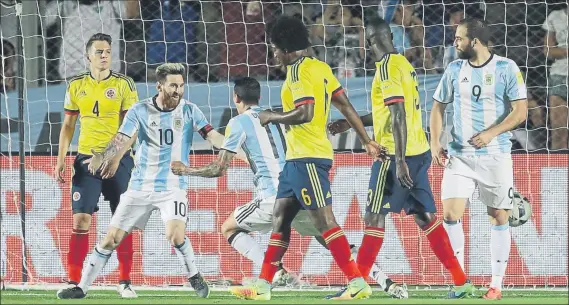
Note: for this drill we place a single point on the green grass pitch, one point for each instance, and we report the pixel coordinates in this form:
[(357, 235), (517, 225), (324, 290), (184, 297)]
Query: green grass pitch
[(540, 297)]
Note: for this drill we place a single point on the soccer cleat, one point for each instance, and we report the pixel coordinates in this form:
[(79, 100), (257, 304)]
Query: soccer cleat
[(125, 291), (357, 289), (397, 291), (493, 294), (200, 285), (258, 291), (459, 292), (71, 293)]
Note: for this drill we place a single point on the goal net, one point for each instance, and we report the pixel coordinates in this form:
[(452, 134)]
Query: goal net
[(223, 40)]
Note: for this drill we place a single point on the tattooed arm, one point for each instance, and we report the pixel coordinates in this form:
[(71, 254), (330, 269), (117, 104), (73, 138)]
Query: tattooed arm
[(216, 168), (109, 160)]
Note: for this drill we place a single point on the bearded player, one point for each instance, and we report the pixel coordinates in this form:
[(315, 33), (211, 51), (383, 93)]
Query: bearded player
[(401, 182), (490, 99), (101, 98)]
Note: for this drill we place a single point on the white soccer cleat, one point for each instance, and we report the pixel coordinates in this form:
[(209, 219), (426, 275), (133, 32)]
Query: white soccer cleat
[(126, 291), (398, 291)]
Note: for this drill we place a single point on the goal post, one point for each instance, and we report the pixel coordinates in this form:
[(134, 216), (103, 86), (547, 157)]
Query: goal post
[(220, 41)]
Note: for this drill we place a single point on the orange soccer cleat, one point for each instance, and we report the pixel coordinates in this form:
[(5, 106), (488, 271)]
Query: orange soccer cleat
[(493, 294)]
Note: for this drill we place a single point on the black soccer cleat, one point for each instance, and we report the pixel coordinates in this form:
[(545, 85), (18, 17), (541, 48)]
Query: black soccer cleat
[(71, 293), (200, 286)]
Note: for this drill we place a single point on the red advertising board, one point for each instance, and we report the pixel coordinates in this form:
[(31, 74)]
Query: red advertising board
[(538, 255)]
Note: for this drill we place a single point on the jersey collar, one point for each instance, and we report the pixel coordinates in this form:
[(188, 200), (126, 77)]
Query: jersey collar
[(385, 55), (160, 109), (485, 63), (104, 79)]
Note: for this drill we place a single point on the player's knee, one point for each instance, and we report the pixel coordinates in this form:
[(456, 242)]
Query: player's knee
[(424, 219), (111, 240), (281, 223), (498, 216), (452, 211), (175, 237), (228, 228), (374, 220), (81, 221)]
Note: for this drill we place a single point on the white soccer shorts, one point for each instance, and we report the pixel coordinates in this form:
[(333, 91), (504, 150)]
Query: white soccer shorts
[(136, 207), (493, 174), (256, 216)]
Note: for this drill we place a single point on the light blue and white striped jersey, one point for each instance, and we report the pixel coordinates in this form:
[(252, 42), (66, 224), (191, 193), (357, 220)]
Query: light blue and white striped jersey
[(265, 148), (163, 136), (481, 97)]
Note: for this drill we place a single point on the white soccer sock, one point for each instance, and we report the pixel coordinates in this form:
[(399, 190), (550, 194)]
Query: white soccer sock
[(500, 244), (186, 255), (456, 236), (246, 245), (379, 276), (97, 261)]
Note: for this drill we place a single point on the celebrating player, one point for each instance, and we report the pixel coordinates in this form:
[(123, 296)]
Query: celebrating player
[(265, 148), (401, 182), (483, 87), (309, 88), (165, 125), (101, 97)]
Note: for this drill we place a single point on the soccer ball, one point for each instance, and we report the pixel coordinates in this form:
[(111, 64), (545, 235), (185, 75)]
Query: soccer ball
[(521, 212)]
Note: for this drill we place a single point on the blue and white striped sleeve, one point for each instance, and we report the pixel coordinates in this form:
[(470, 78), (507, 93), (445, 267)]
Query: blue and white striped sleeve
[(234, 136), (201, 125), (131, 123), (515, 85), (444, 92)]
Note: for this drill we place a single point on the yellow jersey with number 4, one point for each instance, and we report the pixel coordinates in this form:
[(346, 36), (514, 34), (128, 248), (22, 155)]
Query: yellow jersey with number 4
[(309, 80), (396, 81), (100, 105)]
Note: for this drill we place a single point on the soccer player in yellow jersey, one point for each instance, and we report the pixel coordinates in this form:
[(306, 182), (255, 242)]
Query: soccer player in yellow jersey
[(309, 89), (402, 181), (101, 98)]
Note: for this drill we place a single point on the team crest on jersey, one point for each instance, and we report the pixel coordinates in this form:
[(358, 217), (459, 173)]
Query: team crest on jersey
[(111, 93), (178, 123), (488, 79), (76, 196)]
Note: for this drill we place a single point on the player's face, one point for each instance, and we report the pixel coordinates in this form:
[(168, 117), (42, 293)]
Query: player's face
[(100, 55), (172, 89), (279, 55), (462, 44)]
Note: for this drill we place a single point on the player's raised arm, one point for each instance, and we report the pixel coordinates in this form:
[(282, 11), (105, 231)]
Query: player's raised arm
[(66, 133), (517, 95)]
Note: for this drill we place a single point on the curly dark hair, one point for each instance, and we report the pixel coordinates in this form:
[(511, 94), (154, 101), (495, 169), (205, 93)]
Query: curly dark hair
[(289, 34)]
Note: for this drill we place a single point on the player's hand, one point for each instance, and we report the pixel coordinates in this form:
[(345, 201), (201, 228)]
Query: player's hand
[(376, 151), (403, 175), (438, 155), (481, 139), (108, 169), (58, 171), (178, 168), (265, 117), (95, 162), (338, 126)]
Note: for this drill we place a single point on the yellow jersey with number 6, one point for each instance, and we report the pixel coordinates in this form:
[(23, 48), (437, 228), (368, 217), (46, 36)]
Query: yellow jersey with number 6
[(309, 80), (100, 105), (396, 81)]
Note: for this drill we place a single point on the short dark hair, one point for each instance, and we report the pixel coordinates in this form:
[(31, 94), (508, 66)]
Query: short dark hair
[(289, 34), (477, 28), (248, 89), (169, 69), (98, 37)]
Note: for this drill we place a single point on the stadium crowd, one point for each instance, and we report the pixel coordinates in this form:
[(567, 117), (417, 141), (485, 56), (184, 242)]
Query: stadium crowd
[(222, 40)]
